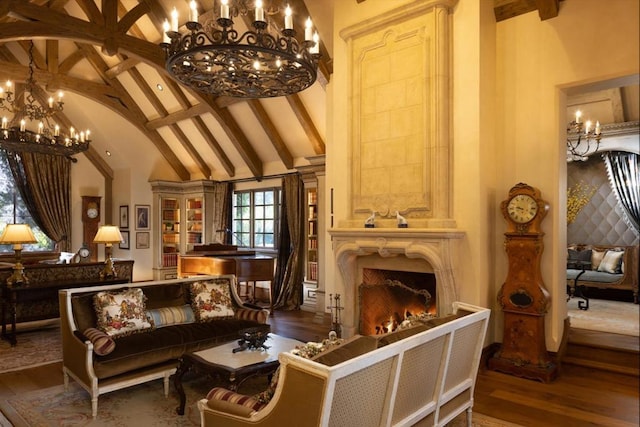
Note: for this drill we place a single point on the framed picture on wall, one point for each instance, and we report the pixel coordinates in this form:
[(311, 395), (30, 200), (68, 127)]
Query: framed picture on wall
[(142, 240), (124, 217), (125, 240), (142, 217)]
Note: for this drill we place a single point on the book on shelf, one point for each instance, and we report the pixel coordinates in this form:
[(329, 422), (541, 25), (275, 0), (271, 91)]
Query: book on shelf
[(312, 197), (170, 260), (194, 204), (313, 271), (169, 204)]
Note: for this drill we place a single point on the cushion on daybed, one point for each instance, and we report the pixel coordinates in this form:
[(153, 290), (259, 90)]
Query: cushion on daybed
[(612, 262), (167, 316)]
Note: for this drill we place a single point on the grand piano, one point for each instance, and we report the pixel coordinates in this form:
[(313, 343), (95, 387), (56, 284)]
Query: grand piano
[(217, 258)]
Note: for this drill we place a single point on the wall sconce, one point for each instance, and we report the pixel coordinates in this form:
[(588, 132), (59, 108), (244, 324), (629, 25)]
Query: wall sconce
[(17, 235), (108, 234)]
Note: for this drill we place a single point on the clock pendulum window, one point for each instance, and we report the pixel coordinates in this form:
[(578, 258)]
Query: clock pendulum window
[(523, 296)]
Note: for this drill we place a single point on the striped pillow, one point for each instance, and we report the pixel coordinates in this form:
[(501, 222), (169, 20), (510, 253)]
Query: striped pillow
[(103, 344), (167, 316), (219, 393), (259, 316)]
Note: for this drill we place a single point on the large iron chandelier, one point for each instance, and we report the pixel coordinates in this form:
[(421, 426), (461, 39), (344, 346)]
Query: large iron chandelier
[(215, 58), (580, 137), (48, 138)]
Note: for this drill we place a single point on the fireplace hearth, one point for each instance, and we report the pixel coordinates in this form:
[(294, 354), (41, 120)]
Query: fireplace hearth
[(430, 251)]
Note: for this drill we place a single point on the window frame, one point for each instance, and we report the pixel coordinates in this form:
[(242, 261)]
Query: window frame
[(245, 228)]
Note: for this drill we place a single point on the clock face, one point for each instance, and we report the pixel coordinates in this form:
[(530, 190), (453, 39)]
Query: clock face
[(92, 213), (522, 208), (84, 252)]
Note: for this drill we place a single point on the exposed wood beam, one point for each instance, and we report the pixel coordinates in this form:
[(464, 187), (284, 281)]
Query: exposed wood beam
[(157, 104), (200, 125), (505, 9), (307, 124), (178, 116), (90, 9), (121, 67), (272, 132)]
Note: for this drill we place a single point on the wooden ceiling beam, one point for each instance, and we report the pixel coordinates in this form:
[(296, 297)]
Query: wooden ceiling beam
[(307, 124), (157, 104), (200, 125), (122, 66), (271, 131), (505, 9), (178, 116)]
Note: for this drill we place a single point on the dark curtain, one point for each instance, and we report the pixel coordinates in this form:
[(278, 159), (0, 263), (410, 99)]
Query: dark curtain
[(222, 203), (624, 177), (44, 182), (287, 286)]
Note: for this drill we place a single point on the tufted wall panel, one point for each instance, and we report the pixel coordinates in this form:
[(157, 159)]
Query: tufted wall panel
[(601, 220)]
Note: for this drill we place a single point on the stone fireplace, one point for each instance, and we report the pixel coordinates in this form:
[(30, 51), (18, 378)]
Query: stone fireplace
[(431, 251)]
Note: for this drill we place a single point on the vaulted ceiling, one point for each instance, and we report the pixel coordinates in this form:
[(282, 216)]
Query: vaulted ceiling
[(105, 55)]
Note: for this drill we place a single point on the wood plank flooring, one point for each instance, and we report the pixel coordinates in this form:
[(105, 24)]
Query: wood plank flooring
[(580, 396)]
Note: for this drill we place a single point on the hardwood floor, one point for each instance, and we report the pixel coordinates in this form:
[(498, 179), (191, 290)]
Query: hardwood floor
[(581, 396)]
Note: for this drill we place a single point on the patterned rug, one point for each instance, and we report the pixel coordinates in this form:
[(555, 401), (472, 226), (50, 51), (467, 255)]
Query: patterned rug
[(143, 405), (606, 316), (28, 353)]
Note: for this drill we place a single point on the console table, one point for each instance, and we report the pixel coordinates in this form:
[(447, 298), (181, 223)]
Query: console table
[(38, 299)]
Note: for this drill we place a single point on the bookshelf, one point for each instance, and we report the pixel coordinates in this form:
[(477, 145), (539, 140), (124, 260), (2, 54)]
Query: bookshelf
[(182, 218), (195, 228), (312, 235), (170, 214)]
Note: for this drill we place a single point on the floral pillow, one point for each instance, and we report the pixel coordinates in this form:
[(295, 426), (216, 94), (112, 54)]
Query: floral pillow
[(121, 313), (211, 299)]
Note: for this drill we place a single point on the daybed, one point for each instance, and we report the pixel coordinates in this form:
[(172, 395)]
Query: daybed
[(604, 267), (122, 335), (423, 375)]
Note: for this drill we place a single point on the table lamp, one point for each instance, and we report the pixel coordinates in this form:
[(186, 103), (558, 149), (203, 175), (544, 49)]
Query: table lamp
[(17, 234), (108, 234)]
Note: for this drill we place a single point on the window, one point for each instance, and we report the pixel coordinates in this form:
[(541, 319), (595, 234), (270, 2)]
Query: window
[(255, 218), (14, 211)]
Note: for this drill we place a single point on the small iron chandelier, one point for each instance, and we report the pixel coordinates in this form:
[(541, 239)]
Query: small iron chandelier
[(14, 135), (580, 137), (215, 58)]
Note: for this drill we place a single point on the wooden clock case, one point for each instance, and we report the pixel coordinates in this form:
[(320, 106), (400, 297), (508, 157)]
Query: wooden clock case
[(90, 225), (523, 297)]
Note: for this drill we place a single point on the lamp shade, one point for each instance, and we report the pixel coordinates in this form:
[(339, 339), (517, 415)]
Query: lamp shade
[(108, 234), (17, 233)]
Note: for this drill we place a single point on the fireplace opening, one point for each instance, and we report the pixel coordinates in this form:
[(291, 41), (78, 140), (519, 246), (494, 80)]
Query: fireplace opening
[(388, 298)]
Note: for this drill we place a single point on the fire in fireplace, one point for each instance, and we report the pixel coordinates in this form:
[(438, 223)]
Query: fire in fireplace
[(385, 303)]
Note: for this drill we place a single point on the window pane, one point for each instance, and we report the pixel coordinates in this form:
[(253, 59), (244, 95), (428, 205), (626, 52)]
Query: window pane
[(268, 226), (259, 198), (259, 212), (268, 198), (268, 211)]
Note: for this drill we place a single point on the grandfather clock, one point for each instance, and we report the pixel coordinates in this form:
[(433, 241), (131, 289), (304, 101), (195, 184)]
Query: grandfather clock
[(90, 223), (523, 296)]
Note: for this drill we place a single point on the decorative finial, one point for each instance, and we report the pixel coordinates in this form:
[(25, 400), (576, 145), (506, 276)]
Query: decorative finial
[(370, 222)]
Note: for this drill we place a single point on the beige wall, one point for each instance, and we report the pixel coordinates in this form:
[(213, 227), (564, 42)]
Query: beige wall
[(509, 86)]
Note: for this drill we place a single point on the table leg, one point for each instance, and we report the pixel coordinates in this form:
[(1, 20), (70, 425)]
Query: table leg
[(11, 337), (183, 368)]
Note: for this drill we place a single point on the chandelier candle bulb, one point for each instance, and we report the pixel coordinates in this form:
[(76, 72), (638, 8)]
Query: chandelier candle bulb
[(597, 128), (56, 131), (166, 27), (308, 31), (4, 123), (224, 9), (578, 114), (315, 49), (288, 19), (40, 127), (51, 102), (193, 11), (587, 127), (259, 11), (23, 125), (174, 20)]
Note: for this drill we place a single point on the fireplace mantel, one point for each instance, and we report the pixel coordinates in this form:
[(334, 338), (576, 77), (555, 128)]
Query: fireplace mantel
[(395, 248)]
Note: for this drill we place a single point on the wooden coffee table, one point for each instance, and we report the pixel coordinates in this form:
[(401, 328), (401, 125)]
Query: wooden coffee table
[(230, 368)]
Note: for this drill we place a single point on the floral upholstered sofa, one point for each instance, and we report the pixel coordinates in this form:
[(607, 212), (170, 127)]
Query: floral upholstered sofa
[(422, 375), (122, 335)]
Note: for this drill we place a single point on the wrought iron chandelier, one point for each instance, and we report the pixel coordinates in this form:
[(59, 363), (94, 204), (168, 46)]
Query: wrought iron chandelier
[(580, 137), (48, 138), (215, 58)]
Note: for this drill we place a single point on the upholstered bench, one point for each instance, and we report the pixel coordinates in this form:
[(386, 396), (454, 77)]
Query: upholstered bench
[(423, 374)]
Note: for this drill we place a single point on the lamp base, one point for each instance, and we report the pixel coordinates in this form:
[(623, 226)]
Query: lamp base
[(109, 271), (17, 278)]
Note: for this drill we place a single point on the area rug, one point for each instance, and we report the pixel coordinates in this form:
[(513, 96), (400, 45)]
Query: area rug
[(606, 316), (28, 353), (138, 406)]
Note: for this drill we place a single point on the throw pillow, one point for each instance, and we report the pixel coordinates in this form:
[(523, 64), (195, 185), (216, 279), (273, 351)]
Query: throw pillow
[(596, 258), (211, 299), (103, 344), (121, 313), (611, 262), (167, 316), (584, 255)]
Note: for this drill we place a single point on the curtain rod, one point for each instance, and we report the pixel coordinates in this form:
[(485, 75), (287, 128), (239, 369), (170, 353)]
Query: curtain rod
[(281, 175)]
